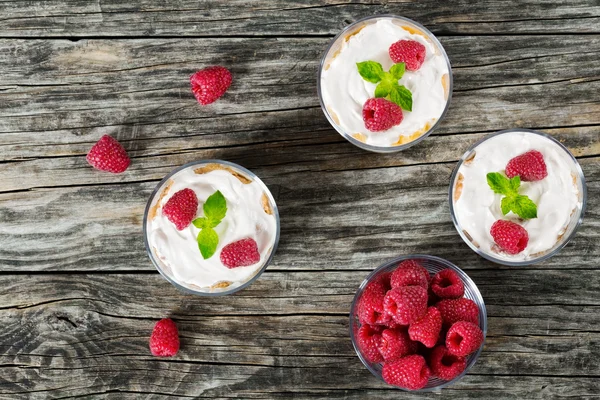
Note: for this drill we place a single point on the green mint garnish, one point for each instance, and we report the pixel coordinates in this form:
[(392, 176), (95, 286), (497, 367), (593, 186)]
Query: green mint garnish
[(214, 209), (519, 204), (388, 86)]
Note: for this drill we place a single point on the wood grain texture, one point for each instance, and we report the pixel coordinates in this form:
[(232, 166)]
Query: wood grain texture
[(282, 17), (80, 295), (99, 227), (62, 332)]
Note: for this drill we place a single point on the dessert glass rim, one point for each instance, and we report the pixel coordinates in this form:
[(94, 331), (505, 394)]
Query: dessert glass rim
[(247, 173), (560, 245), (348, 136), (467, 281)]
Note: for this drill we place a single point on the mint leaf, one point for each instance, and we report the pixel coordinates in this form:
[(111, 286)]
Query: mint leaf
[(207, 242), (515, 182), (397, 70), (524, 207), (401, 96), (370, 71), (500, 184), (215, 208), (201, 222), (506, 205), (383, 89), (519, 204)]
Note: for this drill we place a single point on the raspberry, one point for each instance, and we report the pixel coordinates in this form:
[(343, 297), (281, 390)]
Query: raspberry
[(370, 305), (444, 365), (427, 329), (454, 310), (410, 372), (181, 208), (108, 155), (509, 236), (410, 52), (396, 344), (409, 273), (463, 338), (406, 304), (210, 83), (446, 284), (381, 114), (240, 254), (164, 341), (529, 166), (368, 339)]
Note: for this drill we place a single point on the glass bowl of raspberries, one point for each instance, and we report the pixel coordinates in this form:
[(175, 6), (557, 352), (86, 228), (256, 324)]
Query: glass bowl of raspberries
[(418, 322)]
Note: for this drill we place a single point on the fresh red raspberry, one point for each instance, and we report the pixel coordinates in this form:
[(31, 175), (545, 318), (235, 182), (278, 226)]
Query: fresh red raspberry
[(427, 329), (410, 372), (181, 208), (463, 338), (164, 341), (108, 155), (210, 83), (509, 236), (396, 344), (410, 52), (454, 310), (409, 273), (240, 254), (529, 166), (446, 284), (444, 365), (370, 305), (406, 304), (368, 339), (381, 114)]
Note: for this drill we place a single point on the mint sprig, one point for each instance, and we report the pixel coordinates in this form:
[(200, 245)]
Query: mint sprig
[(519, 204), (215, 208), (388, 86)]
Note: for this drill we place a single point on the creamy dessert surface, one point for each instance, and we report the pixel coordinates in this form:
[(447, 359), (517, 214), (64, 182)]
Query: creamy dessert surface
[(477, 207), (345, 92), (249, 215)]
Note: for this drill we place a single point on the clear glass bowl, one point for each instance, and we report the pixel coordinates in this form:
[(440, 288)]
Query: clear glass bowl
[(165, 270), (576, 218), (335, 46), (433, 265)]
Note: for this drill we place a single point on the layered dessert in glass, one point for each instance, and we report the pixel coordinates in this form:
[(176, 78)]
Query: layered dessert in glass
[(517, 197), (211, 227), (362, 65)]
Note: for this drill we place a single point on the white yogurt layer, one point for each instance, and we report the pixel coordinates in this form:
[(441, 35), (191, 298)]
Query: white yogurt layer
[(556, 196), (245, 218), (345, 92)]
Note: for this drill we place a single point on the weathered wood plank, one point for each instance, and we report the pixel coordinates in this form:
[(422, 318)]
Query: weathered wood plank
[(66, 331), (56, 85), (256, 18), (98, 227), (138, 91)]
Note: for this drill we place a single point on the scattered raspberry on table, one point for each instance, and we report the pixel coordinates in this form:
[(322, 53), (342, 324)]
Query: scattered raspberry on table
[(164, 341), (210, 83), (108, 155)]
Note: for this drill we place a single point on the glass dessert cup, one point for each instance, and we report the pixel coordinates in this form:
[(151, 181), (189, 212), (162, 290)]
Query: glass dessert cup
[(433, 265), (405, 140), (153, 209), (563, 237)]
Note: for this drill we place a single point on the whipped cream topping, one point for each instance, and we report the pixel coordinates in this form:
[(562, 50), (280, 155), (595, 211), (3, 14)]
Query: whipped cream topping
[(345, 92), (246, 217), (556, 196)]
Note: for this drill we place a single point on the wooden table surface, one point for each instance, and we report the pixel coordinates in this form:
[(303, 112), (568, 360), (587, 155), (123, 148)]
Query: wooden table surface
[(79, 295)]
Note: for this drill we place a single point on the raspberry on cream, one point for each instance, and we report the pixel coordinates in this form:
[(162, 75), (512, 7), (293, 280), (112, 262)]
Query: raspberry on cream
[(557, 196), (250, 215), (344, 91)]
